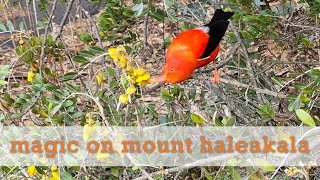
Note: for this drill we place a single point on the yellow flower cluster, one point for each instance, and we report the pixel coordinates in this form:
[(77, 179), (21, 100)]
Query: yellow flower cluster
[(135, 75), (31, 75), (88, 128), (32, 171)]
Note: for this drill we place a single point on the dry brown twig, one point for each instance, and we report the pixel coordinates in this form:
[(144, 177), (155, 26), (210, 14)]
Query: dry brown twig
[(96, 31), (249, 61), (46, 34), (202, 162), (63, 21)]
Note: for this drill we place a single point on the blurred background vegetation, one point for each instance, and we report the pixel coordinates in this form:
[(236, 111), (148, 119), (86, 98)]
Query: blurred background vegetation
[(56, 69)]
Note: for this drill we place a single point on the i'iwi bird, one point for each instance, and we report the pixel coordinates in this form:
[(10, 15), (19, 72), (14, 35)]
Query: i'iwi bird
[(195, 48)]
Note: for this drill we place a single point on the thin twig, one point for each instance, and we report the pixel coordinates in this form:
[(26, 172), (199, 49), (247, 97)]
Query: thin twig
[(96, 31), (145, 37), (144, 172), (258, 90), (35, 15), (46, 34), (304, 27), (249, 61), (294, 79), (202, 162), (63, 21)]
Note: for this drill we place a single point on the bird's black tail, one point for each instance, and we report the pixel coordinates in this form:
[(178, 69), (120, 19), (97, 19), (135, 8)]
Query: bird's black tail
[(218, 27)]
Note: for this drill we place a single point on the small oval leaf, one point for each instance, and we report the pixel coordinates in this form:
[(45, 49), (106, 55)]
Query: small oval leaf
[(305, 117)]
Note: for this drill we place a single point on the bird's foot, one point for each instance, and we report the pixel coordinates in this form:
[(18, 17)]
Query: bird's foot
[(216, 78)]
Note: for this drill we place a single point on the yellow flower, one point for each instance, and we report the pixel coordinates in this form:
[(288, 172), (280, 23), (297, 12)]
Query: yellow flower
[(143, 83), (55, 173), (89, 119), (140, 71), (32, 171), (101, 33), (131, 90), (31, 75), (117, 54), (121, 49), (145, 77), (21, 42), (129, 69), (132, 79), (112, 20), (139, 79), (123, 62), (123, 98), (88, 130), (291, 171), (54, 168), (113, 53), (100, 77)]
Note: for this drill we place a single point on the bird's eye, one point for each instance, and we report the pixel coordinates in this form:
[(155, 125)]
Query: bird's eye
[(171, 70)]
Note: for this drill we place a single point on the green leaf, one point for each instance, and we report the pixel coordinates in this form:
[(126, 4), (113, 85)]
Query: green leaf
[(86, 38), (86, 54), (55, 109), (40, 170), (4, 70), (66, 175), (8, 99), (80, 59), (265, 165), (172, 18), (3, 82), (197, 119), (169, 3), (21, 26), (306, 42), (229, 121), (307, 90), (2, 27), (72, 87), (304, 99), (57, 119), (41, 25), (111, 72), (115, 171), (138, 9), (266, 111), (305, 117), (16, 116), (315, 72), (70, 75), (96, 50), (135, 168), (175, 90), (67, 103), (165, 94), (236, 175), (294, 104), (10, 26), (76, 115)]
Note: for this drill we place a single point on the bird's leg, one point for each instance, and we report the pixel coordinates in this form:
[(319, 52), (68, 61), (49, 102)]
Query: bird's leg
[(216, 78)]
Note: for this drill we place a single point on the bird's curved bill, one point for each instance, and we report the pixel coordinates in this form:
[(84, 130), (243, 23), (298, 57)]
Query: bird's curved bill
[(158, 79)]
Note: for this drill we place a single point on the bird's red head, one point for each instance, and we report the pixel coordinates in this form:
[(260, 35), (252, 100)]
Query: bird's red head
[(176, 71)]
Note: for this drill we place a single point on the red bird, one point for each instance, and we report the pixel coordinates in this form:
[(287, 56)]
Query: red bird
[(193, 49)]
